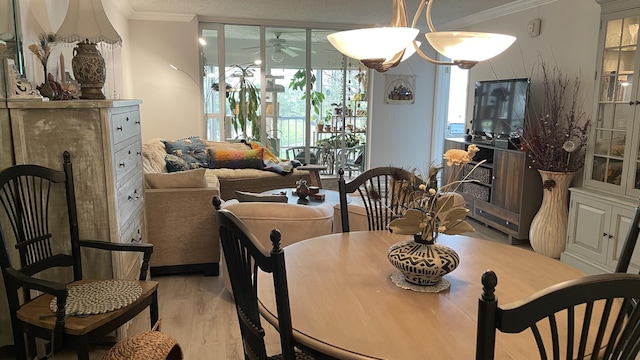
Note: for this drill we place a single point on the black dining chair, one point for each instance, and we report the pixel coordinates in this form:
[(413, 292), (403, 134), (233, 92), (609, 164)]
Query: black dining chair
[(384, 193), (629, 244), (33, 259), (244, 256), (601, 321)]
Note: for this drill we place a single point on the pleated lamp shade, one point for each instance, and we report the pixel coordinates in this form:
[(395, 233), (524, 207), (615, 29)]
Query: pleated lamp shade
[(86, 20), (87, 23)]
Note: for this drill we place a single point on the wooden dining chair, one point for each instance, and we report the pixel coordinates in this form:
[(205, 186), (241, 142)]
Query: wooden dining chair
[(244, 255), (629, 244), (33, 258), (382, 191), (596, 311)]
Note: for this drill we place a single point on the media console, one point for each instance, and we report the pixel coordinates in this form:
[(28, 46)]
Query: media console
[(506, 192)]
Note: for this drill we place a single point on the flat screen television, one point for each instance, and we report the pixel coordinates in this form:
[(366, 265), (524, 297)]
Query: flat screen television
[(499, 108)]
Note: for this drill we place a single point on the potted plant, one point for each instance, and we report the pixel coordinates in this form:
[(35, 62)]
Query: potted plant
[(337, 108), (299, 82), (244, 102)]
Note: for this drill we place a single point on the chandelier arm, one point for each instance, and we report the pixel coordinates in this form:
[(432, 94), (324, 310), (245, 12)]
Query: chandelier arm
[(463, 64), (423, 3), (428, 14), (399, 18)]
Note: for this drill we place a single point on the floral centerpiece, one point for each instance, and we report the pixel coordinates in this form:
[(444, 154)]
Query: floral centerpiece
[(435, 210), (432, 210), (555, 140)]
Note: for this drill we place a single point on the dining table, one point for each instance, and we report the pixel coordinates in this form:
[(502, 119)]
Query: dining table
[(344, 304)]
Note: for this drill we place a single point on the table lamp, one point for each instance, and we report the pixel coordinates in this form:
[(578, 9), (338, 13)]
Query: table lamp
[(87, 23)]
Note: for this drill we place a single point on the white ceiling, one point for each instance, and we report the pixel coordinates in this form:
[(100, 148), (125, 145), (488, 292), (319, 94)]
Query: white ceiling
[(373, 12)]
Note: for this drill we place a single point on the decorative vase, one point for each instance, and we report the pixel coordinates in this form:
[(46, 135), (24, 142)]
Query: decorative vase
[(89, 70), (302, 190), (423, 262), (548, 230)]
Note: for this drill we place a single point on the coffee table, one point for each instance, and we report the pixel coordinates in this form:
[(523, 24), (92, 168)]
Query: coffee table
[(331, 197)]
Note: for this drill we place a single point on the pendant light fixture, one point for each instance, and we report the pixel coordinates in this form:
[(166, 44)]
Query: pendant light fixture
[(383, 48)]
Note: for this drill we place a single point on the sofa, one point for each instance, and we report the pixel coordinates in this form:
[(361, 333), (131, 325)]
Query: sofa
[(180, 216)]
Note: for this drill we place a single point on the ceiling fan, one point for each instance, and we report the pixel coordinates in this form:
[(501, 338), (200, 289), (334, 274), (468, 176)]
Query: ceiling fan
[(278, 48)]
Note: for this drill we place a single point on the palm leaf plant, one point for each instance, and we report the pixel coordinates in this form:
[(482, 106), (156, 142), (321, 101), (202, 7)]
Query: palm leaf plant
[(244, 103)]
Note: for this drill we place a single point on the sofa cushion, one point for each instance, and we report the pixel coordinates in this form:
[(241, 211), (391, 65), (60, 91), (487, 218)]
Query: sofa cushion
[(181, 179), (175, 163), (153, 157), (236, 159), (192, 150)]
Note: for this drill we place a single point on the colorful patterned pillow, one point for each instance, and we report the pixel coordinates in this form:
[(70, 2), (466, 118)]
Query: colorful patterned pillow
[(192, 150), (175, 163), (236, 159)]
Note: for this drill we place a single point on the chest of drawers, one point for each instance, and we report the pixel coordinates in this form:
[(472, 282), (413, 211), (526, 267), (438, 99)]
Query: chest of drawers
[(104, 140)]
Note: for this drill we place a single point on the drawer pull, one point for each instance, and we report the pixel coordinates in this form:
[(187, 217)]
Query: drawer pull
[(127, 119), (135, 195), (138, 153), (139, 239), (121, 164), (119, 128), (507, 223), (137, 122)]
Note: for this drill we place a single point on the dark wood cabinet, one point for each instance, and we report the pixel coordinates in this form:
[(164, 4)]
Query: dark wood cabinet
[(505, 192)]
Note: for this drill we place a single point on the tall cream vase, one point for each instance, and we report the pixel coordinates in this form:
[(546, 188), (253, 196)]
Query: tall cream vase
[(548, 230)]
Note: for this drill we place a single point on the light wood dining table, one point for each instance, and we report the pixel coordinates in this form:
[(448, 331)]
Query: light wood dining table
[(344, 304)]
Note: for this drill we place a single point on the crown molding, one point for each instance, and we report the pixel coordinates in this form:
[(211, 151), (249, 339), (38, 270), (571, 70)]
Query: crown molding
[(507, 9)]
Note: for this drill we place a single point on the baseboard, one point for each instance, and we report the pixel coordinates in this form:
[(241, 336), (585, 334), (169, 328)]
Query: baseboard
[(209, 269)]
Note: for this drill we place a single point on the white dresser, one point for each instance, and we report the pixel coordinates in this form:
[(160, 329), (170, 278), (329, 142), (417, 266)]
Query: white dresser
[(103, 138)]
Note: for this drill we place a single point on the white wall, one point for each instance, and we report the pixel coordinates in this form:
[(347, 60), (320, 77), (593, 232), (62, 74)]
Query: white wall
[(568, 39), (171, 105), (400, 135)]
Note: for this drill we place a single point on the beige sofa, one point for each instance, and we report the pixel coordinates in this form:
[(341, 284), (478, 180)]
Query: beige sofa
[(180, 216)]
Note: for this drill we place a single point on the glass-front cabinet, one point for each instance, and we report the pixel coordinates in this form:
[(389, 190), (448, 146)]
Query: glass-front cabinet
[(613, 157), (600, 211)]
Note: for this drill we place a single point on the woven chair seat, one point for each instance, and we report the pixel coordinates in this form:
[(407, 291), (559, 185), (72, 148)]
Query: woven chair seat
[(150, 345)]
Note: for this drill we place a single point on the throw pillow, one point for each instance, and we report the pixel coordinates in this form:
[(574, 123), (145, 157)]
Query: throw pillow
[(175, 163), (192, 150), (268, 155), (236, 159), (227, 145), (182, 179)]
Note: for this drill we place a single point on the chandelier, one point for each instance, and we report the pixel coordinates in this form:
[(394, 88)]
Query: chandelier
[(384, 47)]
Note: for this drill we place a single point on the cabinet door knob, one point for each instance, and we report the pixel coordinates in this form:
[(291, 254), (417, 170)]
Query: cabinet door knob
[(122, 164), (119, 128), (610, 236), (604, 234)]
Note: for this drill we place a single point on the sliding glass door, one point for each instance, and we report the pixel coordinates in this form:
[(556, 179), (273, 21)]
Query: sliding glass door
[(287, 88)]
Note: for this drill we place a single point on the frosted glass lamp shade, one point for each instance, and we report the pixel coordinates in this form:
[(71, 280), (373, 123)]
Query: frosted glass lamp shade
[(469, 46), (373, 43)]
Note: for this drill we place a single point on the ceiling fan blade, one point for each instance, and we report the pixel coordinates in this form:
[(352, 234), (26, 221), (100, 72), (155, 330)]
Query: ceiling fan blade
[(295, 48), (290, 52)]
